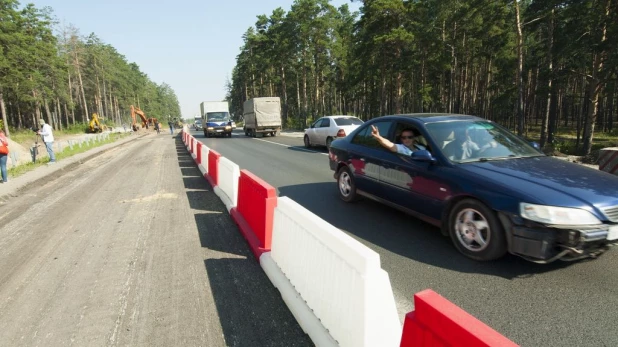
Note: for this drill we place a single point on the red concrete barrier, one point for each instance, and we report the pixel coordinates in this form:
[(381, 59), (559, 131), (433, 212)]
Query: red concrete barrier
[(198, 153), (254, 211), (436, 321), (213, 168)]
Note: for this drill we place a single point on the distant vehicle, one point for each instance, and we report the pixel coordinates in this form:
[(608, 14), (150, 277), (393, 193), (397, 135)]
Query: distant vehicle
[(216, 120), (489, 190), (326, 129), (262, 116), (197, 124)]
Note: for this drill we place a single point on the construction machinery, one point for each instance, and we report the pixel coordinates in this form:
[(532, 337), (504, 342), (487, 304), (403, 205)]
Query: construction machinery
[(95, 125), (135, 111)]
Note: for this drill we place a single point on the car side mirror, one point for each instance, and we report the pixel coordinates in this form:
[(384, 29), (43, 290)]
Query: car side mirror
[(536, 146), (423, 155)]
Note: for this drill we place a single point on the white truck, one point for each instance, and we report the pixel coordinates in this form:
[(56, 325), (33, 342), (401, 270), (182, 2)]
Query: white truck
[(216, 120), (262, 116)]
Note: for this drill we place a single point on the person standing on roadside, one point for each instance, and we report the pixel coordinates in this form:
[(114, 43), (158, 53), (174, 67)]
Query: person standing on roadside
[(47, 134), (171, 124), (4, 155)]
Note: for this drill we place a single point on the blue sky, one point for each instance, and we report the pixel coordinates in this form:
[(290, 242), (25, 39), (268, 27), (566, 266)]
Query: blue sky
[(189, 44)]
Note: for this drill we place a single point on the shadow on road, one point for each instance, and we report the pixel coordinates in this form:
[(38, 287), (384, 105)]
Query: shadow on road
[(249, 307), (402, 234)]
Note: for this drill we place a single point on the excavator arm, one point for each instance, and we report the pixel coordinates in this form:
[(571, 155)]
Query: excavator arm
[(95, 125), (135, 111)]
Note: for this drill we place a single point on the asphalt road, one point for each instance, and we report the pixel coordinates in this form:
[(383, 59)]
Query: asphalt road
[(132, 248), (559, 304)]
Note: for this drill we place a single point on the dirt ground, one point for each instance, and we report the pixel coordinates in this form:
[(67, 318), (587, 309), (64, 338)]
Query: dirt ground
[(132, 248)]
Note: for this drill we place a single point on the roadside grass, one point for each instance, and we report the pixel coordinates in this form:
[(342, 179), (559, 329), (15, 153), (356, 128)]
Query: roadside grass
[(565, 142), (66, 152), (26, 137)]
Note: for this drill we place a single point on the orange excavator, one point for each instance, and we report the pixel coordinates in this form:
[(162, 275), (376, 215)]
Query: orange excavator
[(135, 111)]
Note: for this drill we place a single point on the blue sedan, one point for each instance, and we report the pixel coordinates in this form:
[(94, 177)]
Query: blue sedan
[(486, 188)]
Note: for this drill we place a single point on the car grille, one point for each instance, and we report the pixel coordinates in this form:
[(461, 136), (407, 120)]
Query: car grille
[(611, 213)]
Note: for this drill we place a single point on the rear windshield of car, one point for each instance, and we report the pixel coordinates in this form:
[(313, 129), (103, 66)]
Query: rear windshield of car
[(348, 121)]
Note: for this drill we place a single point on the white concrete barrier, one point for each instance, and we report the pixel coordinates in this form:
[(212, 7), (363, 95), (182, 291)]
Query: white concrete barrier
[(227, 185), (194, 143), (339, 278), (204, 164)]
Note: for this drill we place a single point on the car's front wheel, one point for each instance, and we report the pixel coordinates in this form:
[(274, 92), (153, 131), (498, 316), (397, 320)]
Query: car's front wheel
[(307, 142), (346, 184), (476, 231)]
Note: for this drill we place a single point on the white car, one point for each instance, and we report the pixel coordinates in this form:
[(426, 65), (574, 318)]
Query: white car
[(324, 130)]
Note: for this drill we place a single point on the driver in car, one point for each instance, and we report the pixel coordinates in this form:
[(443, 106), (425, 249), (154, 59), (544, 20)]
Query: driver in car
[(408, 147)]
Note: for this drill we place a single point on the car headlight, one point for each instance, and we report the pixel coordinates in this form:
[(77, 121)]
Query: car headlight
[(228, 127), (557, 215), (211, 128)]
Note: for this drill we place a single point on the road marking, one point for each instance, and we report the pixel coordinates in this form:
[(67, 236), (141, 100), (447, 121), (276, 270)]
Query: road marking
[(295, 147)]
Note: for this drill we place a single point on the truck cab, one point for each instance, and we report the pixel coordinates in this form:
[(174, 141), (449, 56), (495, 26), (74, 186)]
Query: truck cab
[(218, 124)]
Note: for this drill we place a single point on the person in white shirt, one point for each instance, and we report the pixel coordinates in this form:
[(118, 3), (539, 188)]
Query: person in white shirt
[(47, 134), (407, 147)]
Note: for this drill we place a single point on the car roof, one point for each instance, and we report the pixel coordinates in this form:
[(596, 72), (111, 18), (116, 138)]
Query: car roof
[(433, 117), (340, 116)]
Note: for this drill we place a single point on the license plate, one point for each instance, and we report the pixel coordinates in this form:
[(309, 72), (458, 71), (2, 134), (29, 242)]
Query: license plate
[(219, 131), (613, 233)]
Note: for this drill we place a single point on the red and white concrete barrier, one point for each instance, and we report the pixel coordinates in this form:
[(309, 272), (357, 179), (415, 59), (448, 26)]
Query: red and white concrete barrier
[(227, 179), (203, 165), (608, 160), (213, 170), (254, 211), (436, 321), (321, 271)]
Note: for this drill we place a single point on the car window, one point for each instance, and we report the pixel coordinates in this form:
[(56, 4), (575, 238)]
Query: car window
[(364, 137), (348, 121), (463, 141), (317, 123), (325, 123)]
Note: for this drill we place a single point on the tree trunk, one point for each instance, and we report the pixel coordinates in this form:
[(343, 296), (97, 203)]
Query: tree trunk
[(5, 121), (49, 114), (81, 87), (284, 94), (550, 74), (595, 85), (520, 68)]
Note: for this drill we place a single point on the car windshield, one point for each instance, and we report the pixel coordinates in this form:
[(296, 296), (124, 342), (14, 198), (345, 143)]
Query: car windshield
[(348, 121), (197, 121), (466, 141), (218, 116)]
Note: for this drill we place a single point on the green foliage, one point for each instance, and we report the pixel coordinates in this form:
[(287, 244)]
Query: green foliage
[(36, 67), (431, 56)]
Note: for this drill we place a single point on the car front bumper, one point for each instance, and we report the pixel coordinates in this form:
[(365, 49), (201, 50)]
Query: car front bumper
[(218, 130), (547, 243)]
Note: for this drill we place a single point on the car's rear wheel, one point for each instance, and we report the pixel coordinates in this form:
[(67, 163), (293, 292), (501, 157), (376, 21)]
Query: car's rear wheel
[(476, 231), (328, 142), (307, 142), (346, 184)]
